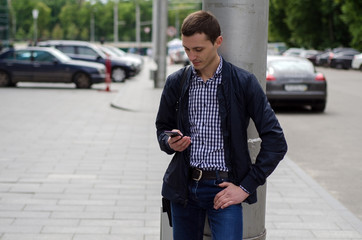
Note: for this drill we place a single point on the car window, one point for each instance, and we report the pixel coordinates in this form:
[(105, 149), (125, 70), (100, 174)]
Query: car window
[(8, 55), (60, 56), (66, 49), (291, 66), (23, 55), (42, 56), (82, 50), (118, 51)]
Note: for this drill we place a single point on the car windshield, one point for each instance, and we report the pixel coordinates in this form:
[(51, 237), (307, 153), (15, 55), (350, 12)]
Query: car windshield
[(291, 66), (117, 51), (62, 57), (108, 51)]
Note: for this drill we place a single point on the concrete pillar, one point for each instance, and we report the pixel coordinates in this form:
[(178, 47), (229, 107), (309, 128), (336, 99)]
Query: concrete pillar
[(159, 41), (244, 26)]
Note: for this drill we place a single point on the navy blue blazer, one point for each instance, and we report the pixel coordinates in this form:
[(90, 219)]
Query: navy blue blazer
[(241, 98)]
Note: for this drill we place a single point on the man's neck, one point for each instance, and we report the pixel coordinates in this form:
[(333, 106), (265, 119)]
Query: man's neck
[(209, 72)]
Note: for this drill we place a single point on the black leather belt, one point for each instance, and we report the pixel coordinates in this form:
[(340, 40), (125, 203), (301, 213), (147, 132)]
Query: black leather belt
[(198, 174)]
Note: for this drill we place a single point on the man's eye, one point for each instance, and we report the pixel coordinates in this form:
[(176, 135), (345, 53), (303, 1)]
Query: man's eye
[(198, 49)]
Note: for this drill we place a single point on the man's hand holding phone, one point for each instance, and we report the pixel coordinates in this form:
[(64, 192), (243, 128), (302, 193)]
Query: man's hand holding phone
[(177, 141)]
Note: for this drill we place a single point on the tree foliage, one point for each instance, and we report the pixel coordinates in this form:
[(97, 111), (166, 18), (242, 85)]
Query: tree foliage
[(352, 17), (315, 24)]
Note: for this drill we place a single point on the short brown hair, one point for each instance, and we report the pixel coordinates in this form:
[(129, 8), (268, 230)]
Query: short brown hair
[(201, 22)]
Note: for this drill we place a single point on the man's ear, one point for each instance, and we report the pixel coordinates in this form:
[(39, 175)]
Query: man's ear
[(218, 41)]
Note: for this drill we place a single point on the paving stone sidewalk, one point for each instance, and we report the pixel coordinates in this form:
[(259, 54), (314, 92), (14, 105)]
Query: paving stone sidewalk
[(85, 165)]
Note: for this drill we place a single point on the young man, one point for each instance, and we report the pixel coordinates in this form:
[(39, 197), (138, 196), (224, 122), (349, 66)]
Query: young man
[(211, 172)]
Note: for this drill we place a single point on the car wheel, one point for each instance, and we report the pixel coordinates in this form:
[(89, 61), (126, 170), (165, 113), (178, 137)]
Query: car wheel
[(4, 79), (82, 80), (118, 74), (360, 67), (319, 107)]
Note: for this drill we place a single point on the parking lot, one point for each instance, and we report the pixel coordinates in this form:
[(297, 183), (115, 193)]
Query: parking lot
[(73, 167), (327, 146)]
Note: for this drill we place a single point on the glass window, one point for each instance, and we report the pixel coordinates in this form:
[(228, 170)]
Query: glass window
[(42, 56), (9, 55), (291, 66), (86, 51), (23, 55), (67, 49)]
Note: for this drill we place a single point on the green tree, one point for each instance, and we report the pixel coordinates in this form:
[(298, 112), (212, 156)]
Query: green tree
[(68, 19), (178, 11), (21, 35), (352, 17), (127, 16), (104, 20), (43, 22), (304, 18), (307, 23), (23, 15), (24, 18), (335, 31), (72, 31), (57, 32), (278, 29)]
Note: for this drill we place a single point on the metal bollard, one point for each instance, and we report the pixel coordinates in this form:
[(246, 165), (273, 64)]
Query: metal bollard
[(165, 229)]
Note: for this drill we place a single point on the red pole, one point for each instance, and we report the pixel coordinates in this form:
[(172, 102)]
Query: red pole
[(108, 73)]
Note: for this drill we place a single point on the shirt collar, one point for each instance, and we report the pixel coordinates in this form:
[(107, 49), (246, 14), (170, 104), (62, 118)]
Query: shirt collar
[(217, 72)]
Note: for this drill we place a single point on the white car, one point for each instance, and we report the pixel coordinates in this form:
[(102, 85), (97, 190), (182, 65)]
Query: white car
[(357, 62), (133, 60), (293, 52), (177, 53)]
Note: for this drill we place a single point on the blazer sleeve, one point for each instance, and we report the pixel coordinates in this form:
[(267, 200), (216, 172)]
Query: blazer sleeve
[(166, 118), (273, 145)]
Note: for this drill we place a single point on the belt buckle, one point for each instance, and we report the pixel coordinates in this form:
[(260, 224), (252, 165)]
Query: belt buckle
[(200, 174)]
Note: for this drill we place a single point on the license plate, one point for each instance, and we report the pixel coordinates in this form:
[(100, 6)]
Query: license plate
[(295, 87)]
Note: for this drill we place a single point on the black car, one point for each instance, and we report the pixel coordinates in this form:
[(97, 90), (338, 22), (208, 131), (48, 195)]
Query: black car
[(80, 50), (324, 59), (294, 81), (38, 64), (343, 59), (311, 55)]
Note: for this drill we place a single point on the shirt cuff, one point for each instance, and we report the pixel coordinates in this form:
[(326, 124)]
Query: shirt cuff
[(244, 189)]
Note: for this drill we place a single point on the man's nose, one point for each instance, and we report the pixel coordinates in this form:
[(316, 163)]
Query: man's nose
[(191, 56)]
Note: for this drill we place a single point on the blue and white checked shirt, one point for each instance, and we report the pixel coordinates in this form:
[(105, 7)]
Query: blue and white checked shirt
[(207, 145)]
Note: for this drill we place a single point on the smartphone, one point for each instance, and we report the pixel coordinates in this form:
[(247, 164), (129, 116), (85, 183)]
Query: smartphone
[(173, 133)]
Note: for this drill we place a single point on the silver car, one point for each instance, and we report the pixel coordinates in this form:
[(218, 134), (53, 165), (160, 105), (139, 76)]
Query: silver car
[(294, 81)]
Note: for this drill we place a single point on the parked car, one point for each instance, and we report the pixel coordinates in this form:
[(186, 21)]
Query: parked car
[(311, 55), (343, 59), (357, 61), (293, 52), (324, 59), (122, 53), (38, 64), (177, 53), (294, 80), (135, 63), (80, 50), (276, 48)]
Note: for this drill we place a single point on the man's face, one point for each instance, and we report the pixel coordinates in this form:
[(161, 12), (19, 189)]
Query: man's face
[(200, 50)]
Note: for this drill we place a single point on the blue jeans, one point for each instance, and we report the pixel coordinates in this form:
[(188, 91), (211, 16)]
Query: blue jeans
[(188, 221)]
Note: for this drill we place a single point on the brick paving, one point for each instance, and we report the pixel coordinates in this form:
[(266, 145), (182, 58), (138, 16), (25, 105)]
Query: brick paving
[(85, 164)]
